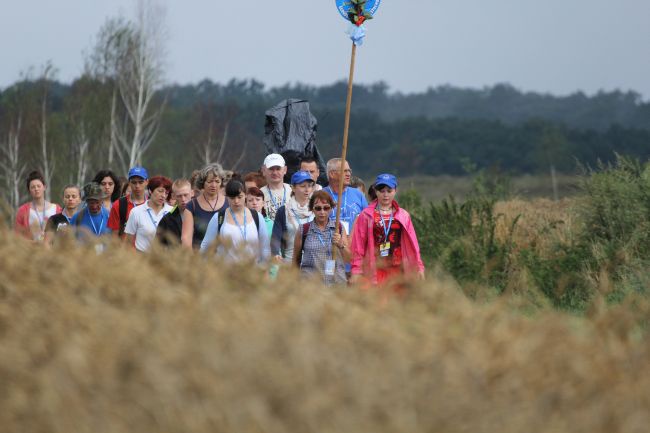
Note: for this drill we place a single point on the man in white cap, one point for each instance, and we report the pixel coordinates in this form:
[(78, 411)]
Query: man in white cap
[(276, 192)]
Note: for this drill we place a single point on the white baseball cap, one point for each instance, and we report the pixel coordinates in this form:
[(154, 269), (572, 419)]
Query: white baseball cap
[(274, 160)]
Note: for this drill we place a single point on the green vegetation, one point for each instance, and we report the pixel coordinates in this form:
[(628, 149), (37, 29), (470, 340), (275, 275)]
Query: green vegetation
[(603, 253), (440, 132)]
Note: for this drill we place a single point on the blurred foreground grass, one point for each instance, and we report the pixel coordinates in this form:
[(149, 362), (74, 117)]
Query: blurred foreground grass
[(124, 342)]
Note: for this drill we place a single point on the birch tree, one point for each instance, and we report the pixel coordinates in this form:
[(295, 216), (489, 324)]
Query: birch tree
[(129, 59), (103, 65), (47, 158), (12, 169), (212, 123), (140, 75)]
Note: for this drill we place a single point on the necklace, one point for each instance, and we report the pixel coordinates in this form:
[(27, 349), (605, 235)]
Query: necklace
[(214, 208)]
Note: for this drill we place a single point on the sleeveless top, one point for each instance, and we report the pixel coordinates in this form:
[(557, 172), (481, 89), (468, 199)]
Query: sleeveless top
[(201, 219)]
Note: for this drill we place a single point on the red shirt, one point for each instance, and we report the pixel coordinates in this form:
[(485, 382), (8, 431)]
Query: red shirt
[(114, 216), (394, 258)]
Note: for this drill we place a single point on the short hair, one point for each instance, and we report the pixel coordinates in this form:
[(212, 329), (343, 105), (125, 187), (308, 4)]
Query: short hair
[(180, 183), (215, 170), (160, 181), (308, 160), (255, 192), (234, 188), (257, 177), (333, 164), (34, 175), (321, 196), (71, 186), (357, 182), (117, 190)]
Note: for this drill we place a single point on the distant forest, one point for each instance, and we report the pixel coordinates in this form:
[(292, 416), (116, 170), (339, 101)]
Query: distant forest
[(435, 132)]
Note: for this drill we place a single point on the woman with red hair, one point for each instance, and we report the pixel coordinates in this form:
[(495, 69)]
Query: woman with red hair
[(144, 219)]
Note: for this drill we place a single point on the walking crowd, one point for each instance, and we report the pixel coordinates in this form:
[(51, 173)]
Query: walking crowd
[(255, 216)]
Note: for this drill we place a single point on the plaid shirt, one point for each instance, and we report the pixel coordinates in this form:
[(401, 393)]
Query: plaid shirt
[(317, 249)]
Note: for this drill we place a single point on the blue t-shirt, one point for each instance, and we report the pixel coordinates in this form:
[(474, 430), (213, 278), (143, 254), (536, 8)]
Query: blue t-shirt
[(96, 225), (352, 203)]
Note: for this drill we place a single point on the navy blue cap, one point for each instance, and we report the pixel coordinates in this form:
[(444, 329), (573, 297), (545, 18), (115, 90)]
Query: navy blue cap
[(138, 171), (386, 179), (300, 177)]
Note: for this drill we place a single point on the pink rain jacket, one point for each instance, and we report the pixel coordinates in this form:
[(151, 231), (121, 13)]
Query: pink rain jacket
[(363, 245)]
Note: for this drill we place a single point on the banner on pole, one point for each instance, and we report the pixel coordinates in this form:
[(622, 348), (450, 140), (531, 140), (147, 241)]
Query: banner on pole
[(344, 7)]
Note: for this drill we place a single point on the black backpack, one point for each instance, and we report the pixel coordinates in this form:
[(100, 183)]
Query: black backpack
[(123, 207)]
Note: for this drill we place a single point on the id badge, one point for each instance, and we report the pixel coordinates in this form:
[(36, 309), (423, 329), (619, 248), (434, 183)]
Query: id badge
[(99, 249), (330, 265), (384, 249)]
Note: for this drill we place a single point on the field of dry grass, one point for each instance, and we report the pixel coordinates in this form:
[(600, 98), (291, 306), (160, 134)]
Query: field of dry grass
[(170, 343)]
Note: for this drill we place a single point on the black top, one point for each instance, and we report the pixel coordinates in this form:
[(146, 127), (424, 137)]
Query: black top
[(170, 228), (201, 220), (56, 222)]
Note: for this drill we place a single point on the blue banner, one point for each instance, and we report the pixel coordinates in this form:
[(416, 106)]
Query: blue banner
[(344, 6)]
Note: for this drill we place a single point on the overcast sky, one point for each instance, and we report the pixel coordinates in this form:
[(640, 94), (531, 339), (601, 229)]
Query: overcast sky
[(556, 46)]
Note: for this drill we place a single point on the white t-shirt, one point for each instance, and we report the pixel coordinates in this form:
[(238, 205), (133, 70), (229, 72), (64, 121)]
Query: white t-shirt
[(143, 222), (38, 220), (274, 199)]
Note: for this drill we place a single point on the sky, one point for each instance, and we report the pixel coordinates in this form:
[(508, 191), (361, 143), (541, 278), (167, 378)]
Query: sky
[(550, 46)]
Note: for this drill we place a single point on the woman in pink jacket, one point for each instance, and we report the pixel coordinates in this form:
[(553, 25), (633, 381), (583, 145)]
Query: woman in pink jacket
[(384, 243)]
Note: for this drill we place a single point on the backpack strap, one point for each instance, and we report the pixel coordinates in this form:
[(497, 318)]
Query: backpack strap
[(305, 230), (123, 207), (256, 218), (220, 217)]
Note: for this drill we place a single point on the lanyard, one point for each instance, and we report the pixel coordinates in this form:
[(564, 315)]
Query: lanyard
[(66, 217), (284, 198), (101, 225), (320, 238), (344, 197), (383, 225), (234, 218), (295, 214), (153, 221), (41, 220)]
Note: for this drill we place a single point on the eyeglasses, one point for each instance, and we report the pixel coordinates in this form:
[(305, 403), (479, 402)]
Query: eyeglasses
[(320, 208)]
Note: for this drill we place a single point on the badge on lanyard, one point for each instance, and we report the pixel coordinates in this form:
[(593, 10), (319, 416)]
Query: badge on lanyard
[(384, 248), (330, 265)]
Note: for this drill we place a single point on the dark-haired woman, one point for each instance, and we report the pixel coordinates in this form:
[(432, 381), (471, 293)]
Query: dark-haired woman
[(384, 243), (244, 229), (314, 243), (143, 220), (32, 217), (111, 185), (202, 208)]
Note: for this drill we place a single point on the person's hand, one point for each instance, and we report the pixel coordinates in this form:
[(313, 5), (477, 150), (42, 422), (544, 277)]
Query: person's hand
[(337, 240), (421, 275), (277, 259)]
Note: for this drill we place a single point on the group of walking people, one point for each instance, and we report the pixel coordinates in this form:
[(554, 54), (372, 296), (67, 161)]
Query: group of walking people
[(255, 216)]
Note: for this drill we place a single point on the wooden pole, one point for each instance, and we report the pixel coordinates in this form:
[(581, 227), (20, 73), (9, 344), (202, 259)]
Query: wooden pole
[(346, 130)]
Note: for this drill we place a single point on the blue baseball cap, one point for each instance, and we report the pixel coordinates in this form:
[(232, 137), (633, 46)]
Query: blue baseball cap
[(300, 177), (139, 172), (386, 179)]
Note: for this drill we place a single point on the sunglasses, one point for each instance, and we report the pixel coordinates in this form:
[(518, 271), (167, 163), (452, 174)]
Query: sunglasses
[(320, 208)]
